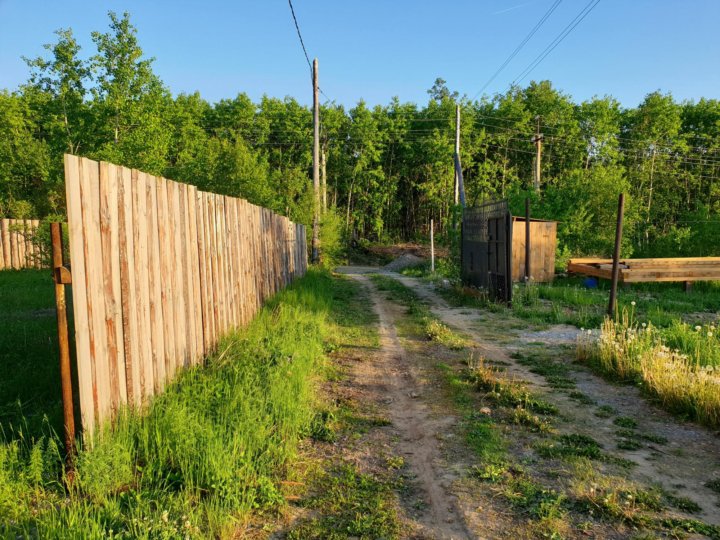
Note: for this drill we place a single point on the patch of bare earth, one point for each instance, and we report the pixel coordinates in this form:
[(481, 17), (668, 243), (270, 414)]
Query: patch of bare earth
[(682, 464)]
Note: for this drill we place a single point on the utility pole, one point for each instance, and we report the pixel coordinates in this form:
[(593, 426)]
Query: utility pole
[(316, 166), (538, 139), (457, 151)]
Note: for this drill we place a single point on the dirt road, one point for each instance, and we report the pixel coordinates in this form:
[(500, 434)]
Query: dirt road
[(679, 459)]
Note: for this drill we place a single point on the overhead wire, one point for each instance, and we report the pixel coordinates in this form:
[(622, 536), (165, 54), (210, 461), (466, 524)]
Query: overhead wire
[(559, 39), (527, 38)]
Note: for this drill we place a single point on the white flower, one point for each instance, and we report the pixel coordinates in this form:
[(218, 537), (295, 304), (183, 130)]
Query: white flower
[(698, 328), (710, 334), (632, 303)]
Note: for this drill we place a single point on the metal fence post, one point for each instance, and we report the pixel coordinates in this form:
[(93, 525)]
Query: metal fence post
[(61, 276)]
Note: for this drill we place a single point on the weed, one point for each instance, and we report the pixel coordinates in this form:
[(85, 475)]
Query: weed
[(629, 444), (505, 392), (582, 398), (714, 485), (683, 503), (692, 526), (648, 437), (612, 496), (571, 445), (624, 421), (684, 381), (533, 421), (351, 504), (605, 411)]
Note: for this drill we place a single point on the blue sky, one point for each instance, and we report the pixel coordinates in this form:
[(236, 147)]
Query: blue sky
[(376, 49)]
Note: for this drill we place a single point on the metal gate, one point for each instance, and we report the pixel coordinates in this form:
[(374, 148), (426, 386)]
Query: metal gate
[(486, 249)]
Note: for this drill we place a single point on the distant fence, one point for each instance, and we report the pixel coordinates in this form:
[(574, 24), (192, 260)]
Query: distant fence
[(19, 247), (160, 271)]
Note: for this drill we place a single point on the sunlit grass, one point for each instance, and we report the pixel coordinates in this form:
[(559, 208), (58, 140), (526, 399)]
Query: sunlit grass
[(206, 453), (679, 365)]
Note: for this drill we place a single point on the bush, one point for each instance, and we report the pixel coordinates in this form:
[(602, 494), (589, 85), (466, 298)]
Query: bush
[(333, 247)]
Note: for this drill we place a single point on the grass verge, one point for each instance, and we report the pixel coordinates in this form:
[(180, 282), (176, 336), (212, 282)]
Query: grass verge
[(205, 455)]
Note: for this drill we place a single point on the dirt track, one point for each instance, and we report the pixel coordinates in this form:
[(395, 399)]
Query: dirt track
[(426, 429)]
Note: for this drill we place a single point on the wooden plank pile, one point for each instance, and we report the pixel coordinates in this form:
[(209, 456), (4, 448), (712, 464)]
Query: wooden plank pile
[(687, 269)]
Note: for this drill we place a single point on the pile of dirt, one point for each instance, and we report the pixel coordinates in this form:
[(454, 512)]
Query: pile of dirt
[(419, 250), (403, 261)]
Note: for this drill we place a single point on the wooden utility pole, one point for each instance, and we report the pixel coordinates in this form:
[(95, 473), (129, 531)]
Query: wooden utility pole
[(616, 255), (62, 277), (457, 151), (538, 139), (316, 166)]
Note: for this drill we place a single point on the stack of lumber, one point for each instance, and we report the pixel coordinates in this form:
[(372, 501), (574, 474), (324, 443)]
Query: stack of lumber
[(638, 270)]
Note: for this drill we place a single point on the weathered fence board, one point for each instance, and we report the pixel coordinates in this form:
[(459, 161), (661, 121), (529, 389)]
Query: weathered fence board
[(19, 247), (160, 272)]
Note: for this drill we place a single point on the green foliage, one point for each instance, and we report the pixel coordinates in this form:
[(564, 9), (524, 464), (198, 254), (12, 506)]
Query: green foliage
[(389, 167), (211, 448), (332, 240), (352, 504)]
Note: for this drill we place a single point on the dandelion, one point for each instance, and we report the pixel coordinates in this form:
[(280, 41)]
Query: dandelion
[(698, 328), (644, 325), (632, 303), (710, 334)]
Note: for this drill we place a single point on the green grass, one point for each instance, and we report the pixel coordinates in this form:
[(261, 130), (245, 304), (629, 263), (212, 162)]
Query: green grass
[(422, 321), (662, 304), (351, 505), (30, 398), (685, 381), (209, 451)]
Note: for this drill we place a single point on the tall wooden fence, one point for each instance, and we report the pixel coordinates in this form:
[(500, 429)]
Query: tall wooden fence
[(160, 271), (18, 245)]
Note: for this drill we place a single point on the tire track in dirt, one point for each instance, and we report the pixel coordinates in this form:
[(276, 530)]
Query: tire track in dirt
[(396, 377), (683, 466)]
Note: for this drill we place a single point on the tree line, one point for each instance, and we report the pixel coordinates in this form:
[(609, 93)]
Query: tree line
[(388, 169)]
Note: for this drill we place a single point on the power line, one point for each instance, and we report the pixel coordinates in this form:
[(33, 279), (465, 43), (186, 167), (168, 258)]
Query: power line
[(561, 36), (302, 43), (542, 20)]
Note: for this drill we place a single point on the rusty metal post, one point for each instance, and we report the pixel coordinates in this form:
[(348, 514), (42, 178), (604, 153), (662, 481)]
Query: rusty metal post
[(61, 276), (616, 255)]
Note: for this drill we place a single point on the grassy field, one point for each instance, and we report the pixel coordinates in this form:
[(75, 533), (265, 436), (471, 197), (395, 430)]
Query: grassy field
[(207, 454), (30, 399)]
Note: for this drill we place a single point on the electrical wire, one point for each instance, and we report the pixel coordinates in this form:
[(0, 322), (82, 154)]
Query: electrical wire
[(302, 43), (513, 54), (560, 37)]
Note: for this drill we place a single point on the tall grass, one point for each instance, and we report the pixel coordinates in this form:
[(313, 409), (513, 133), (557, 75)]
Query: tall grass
[(679, 365), (203, 455)]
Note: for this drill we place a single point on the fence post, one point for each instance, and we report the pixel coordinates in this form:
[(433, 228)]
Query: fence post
[(432, 246), (61, 276), (616, 255)]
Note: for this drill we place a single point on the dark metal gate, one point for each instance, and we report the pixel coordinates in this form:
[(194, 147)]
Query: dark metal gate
[(486, 250)]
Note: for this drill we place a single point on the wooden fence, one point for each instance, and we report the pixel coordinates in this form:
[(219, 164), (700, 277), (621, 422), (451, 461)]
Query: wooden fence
[(18, 246), (160, 271)]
